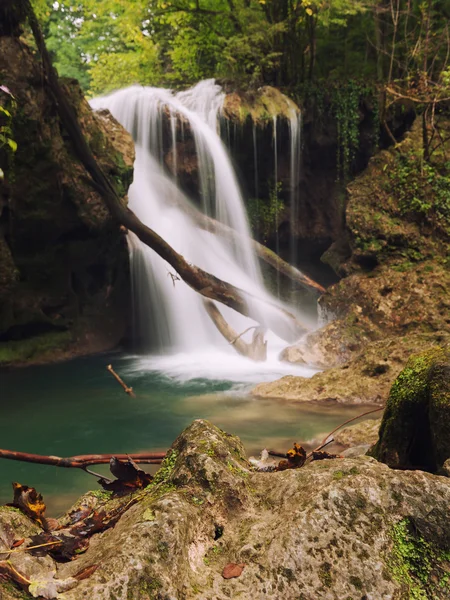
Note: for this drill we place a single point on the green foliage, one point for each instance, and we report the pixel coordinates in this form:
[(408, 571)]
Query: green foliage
[(111, 43), (263, 216), (7, 109), (346, 109), (423, 190), (37, 347), (102, 495), (343, 102), (166, 467), (64, 45)]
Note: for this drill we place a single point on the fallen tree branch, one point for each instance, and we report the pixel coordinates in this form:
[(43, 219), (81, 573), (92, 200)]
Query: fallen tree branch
[(202, 282), (255, 350), (243, 333), (265, 254), (83, 460), (128, 390)]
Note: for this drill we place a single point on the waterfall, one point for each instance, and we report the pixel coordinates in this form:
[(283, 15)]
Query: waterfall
[(274, 197), (295, 130), (170, 317)]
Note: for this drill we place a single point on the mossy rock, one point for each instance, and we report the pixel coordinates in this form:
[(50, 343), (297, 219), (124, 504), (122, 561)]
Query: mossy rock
[(415, 431), (64, 270), (261, 106), (335, 529)]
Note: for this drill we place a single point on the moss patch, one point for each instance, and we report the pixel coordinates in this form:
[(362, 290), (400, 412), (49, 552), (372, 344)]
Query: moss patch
[(166, 468), (416, 564), (23, 351)]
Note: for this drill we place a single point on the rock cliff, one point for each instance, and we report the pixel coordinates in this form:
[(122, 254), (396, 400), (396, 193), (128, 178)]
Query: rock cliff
[(63, 262)]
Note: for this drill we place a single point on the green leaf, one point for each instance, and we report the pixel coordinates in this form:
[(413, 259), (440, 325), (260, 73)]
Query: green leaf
[(12, 144)]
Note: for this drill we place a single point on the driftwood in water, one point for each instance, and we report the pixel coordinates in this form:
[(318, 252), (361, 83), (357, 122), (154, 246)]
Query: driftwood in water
[(83, 460), (202, 282), (256, 349), (128, 390)]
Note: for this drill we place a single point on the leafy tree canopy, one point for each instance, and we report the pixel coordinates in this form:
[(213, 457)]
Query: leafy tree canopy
[(111, 43)]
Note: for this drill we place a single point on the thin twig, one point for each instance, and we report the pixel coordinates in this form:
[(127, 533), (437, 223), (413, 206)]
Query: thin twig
[(319, 448), (243, 333), (346, 422), (97, 475), (326, 441), (128, 390), (16, 550)]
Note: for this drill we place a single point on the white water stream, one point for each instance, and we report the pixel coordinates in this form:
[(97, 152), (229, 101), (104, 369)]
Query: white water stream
[(171, 325)]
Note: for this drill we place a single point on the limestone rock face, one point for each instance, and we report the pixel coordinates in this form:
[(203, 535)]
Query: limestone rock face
[(63, 262), (394, 298), (415, 431), (366, 378), (332, 530)]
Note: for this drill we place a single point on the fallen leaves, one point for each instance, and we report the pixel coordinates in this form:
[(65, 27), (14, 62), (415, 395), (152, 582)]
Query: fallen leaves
[(129, 476), (62, 543), (62, 546), (232, 570), (30, 502), (296, 458), (86, 573)]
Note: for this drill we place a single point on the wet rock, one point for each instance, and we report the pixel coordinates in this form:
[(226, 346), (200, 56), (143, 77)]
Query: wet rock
[(365, 432), (367, 378), (415, 431), (260, 106), (333, 529), (394, 298), (445, 470)]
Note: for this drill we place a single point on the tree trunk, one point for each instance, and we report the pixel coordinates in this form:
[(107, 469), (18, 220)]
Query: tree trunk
[(264, 253), (256, 350)]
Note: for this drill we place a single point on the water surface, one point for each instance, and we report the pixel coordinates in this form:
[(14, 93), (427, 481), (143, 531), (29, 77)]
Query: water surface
[(78, 408)]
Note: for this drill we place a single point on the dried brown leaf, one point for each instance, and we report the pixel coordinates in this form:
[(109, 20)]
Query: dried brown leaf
[(30, 502)]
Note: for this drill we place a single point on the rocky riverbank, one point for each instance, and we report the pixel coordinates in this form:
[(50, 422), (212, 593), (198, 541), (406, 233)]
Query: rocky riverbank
[(342, 528), (393, 299), (210, 525)]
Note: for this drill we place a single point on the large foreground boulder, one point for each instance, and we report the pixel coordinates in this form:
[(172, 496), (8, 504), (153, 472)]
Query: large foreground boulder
[(415, 431), (342, 528)]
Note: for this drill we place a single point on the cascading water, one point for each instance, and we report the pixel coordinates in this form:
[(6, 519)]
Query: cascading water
[(275, 194), (170, 317), (295, 129)]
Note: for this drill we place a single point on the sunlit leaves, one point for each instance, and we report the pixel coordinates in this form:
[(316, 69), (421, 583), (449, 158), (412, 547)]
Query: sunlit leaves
[(6, 119), (30, 502)]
